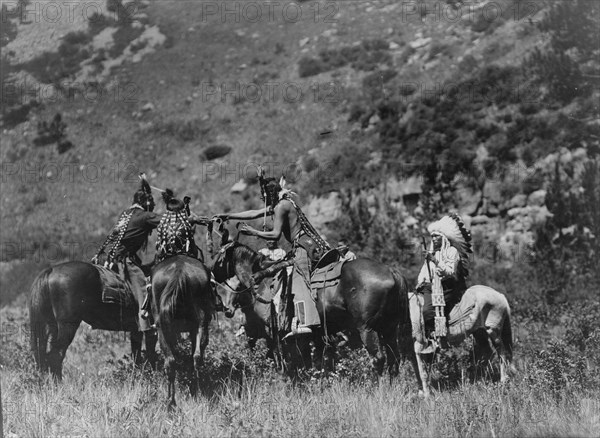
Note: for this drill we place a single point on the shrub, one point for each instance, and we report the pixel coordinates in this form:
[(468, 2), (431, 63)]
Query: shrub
[(310, 67), (556, 370), (216, 151)]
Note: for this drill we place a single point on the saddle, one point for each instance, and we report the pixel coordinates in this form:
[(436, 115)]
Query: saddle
[(115, 290), (326, 277)]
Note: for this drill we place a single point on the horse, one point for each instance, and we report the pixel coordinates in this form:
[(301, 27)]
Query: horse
[(182, 302), (370, 301), (483, 313), (64, 295)]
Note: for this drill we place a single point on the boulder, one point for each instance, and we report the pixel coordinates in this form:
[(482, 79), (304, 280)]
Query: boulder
[(517, 201), (323, 210), (239, 186), (537, 198), (419, 42)]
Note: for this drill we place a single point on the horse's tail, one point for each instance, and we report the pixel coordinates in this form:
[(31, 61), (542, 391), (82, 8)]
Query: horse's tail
[(506, 336), (173, 292), (405, 326), (40, 314)]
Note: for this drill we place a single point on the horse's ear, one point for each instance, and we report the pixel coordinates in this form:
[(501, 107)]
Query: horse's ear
[(282, 182)]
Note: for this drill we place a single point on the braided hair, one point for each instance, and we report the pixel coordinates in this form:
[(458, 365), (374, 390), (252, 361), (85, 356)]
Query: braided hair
[(175, 233)]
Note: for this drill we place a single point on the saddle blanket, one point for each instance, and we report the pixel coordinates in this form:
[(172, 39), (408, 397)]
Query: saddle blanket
[(326, 277), (115, 290)]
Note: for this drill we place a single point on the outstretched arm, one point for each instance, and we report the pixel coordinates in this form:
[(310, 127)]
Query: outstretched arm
[(200, 220), (246, 215), (280, 216)]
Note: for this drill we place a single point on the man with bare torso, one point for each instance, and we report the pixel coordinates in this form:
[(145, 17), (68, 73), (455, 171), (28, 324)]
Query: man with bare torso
[(307, 245)]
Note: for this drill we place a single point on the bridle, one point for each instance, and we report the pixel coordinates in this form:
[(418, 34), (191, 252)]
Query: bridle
[(250, 289)]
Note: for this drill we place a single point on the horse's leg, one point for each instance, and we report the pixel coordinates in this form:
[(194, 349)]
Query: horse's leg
[(64, 334), (370, 340), (135, 339), (482, 351), (390, 343), (201, 342), (168, 340), (151, 338), (420, 369), (502, 354)]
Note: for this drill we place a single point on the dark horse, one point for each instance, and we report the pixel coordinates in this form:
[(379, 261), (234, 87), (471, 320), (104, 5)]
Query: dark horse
[(64, 295), (370, 301), (182, 302)]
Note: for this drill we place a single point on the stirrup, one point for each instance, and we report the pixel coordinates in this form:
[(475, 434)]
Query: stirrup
[(144, 314)]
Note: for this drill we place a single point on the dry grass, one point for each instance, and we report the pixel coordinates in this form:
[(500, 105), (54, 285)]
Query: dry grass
[(103, 395)]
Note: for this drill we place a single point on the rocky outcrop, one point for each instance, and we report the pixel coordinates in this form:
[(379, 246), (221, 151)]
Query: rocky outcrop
[(324, 210)]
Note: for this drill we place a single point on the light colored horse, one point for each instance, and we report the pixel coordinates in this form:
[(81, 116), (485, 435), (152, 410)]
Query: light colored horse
[(482, 312)]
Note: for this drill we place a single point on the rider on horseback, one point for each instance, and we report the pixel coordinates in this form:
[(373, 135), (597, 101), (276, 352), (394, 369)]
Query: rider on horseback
[(176, 235), (307, 246), (449, 259), (127, 237)]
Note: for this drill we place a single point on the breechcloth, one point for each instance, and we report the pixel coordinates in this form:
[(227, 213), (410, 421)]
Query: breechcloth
[(453, 292), (304, 306)]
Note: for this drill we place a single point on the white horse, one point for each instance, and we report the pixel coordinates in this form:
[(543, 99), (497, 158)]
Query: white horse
[(482, 312)]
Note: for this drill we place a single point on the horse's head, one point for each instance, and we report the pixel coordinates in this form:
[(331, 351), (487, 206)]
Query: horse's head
[(233, 267)]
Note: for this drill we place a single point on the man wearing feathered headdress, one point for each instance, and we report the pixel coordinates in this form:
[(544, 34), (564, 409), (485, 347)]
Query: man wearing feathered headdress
[(449, 259), (308, 245), (127, 238)]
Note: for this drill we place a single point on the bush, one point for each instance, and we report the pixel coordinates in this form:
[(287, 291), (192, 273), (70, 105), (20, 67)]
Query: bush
[(556, 370), (366, 56), (310, 67), (216, 151)]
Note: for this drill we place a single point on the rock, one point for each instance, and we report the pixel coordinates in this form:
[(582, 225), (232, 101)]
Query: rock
[(375, 160), (419, 42), (303, 41), (480, 220), (188, 100), (148, 107), (240, 32), (182, 167), (394, 46), (410, 221), (467, 199), (519, 200), (537, 198), (243, 66), (324, 209), (255, 35), (239, 186), (329, 33), (374, 120)]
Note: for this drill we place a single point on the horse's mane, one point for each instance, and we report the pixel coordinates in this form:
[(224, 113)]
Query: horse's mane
[(244, 253)]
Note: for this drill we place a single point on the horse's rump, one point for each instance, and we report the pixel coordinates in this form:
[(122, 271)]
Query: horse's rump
[(115, 290)]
